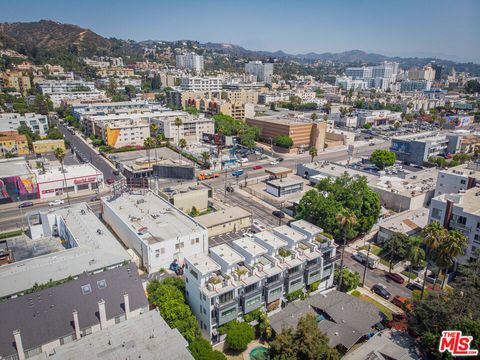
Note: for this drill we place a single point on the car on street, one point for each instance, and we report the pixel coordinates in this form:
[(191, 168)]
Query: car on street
[(237, 173), (414, 286), (95, 198), (25, 204), (401, 302), (110, 181), (229, 189), (382, 291), (278, 214), (395, 277), (257, 167), (372, 144), (116, 172), (275, 162), (56, 202)]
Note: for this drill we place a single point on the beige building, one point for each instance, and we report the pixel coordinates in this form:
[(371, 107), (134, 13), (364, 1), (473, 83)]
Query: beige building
[(237, 110), (16, 80), (231, 219), (115, 71), (45, 146), (118, 133), (187, 197)]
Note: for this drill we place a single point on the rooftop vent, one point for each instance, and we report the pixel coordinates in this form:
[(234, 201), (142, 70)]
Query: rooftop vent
[(86, 289), (102, 284)]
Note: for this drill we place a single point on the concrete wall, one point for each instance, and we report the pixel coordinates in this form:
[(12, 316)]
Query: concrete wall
[(230, 226)]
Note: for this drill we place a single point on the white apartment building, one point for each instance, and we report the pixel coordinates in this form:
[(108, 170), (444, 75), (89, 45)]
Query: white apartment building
[(458, 179), (460, 212), (68, 97), (255, 272), (378, 77), (119, 107), (196, 83), (191, 129), (348, 83), (262, 72), (119, 133), (154, 229), (63, 86), (36, 122), (190, 61)]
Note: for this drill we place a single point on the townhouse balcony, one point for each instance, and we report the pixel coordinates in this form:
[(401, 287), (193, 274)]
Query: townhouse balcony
[(274, 291), (455, 225), (252, 300), (331, 259), (227, 311)]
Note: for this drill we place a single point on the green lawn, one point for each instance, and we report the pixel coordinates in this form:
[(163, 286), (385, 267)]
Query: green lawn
[(409, 274), (386, 311), (375, 249)]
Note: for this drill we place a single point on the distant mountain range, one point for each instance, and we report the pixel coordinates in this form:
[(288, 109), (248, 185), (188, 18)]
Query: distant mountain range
[(47, 40)]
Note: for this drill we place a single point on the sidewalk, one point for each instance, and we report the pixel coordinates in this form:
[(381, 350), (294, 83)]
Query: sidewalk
[(380, 300)]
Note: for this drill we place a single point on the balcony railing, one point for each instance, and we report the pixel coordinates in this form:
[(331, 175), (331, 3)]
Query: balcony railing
[(331, 259), (455, 225)]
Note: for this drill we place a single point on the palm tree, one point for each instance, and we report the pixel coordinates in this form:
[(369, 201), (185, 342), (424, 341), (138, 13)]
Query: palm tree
[(454, 245), (148, 144), (435, 234), (205, 158), (60, 155), (347, 220), (153, 135), (415, 254), (313, 152), (183, 144), (178, 122)]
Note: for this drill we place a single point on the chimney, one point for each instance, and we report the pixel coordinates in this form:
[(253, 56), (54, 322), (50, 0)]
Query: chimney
[(126, 302), (18, 344), (76, 324), (103, 314)]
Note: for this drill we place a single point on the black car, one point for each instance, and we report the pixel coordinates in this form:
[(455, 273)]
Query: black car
[(25, 204), (229, 189), (414, 286), (381, 290), (278, 213), (280, 159)]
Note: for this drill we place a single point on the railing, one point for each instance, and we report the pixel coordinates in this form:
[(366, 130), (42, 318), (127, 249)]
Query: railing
[(456, 225), (331, 259)]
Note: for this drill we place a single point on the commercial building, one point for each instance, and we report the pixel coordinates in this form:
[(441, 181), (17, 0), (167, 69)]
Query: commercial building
[(45, 146), (231, 219), (186, 197), (13, 143), (255, 273), (119, 133), (43, 321), (70, 240), (158, 232), (381, 76), (303, 133), (190, 61), (410, 223), (147, 333), (458, 179), (284, 186), (192, 127), (460, 212), (201, 83), (52, 182), (417, 150), (36, 122), (262, 72), (17, 182), (378, 117)]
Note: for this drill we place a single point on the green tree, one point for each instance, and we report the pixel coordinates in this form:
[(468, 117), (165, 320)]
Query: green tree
[(182, 143), (205, 159), (415, 254), (313, 152), (453, 246), (314, 116), (367, 126), (350, 279), (383, 158), (29, 134), (283, 141), (396, 248), (347, 220), (194, 212), (239, 335), (148, 143), (202, 350), (60, 155), (54, 134), (130, 91), (434, 235)]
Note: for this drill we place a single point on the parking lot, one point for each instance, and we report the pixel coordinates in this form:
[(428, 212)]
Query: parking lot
[(226, 238)]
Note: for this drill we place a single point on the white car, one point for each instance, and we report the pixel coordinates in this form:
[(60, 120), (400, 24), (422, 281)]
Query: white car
[(274, 162), (56, 202)]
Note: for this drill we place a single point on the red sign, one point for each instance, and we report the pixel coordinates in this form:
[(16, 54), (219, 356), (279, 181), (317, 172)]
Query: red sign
[(457, 344), (84, 180)]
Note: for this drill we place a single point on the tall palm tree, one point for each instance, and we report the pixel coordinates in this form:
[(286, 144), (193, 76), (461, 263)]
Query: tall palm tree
[(435, 234), (148, 143), (60, 155), (313, 152), (454, 245), (183, 144), (178, 122), (153, 135), (205, 158), (415, 254), (347, 220)]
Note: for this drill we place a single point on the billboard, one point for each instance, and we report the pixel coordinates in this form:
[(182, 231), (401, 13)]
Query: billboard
[(18, 188)]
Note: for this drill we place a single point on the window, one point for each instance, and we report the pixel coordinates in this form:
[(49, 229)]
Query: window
[(461, 220), (478, 225), (463, 181), (179, 246), (194, 274), (314, 273), (276, 291), (157, 253), (225, 297), (436, 213), (295, 282), (250, 288), (476, 238), (228, 312), (253, 301)]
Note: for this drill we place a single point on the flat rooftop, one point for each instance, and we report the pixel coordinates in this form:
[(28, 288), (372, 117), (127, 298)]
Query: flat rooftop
[(203, 263), (250, 246), (290, 233), (225, 252), (14, 167), (469, 200), (94, 251), (307, 227), (54, 173), (154, 218), (286, 181), (274, 241), (279, 171), (283, 120), (412, 185), (468, 169), (223, 216), (406, 221), (48, 141)]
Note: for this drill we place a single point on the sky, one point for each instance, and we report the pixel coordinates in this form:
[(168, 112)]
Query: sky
[(447, 29)]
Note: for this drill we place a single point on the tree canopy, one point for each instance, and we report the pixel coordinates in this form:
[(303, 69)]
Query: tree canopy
[(344, 194), (229, 126), (283, 141), (383, 158), (239, 334)]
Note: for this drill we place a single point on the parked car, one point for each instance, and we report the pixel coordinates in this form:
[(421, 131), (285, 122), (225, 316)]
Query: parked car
[(110, 181), (278, 213), (56, 202), (414, 286), (25, 204), (257, 167), (372, 144), (229, 189), (274, 162), (381, 290), (401, 302), (237, 173), (280, 159), (395, 277), (116, 172), (95, 198)]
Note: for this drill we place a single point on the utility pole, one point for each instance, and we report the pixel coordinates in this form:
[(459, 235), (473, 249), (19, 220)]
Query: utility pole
[(341, 261), (366, 264), (225, 196)]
